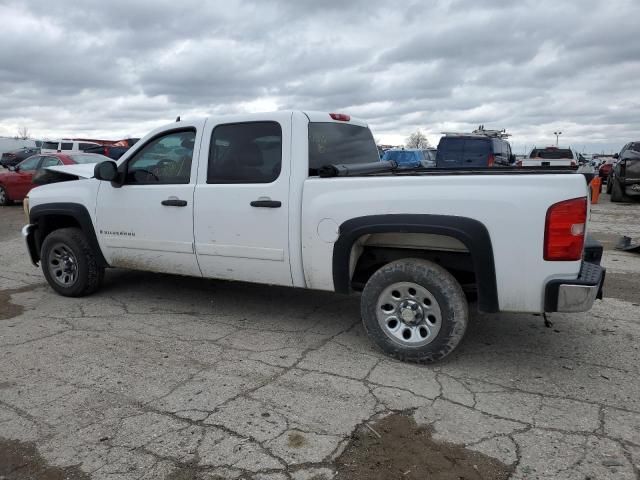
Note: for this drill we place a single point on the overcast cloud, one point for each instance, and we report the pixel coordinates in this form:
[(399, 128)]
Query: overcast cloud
[(108, 69)]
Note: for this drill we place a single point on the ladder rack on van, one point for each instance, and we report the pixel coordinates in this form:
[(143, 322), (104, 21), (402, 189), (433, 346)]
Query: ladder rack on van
[(480, 132)]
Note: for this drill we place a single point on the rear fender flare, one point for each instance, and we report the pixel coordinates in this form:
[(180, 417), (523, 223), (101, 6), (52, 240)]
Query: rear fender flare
[(472, 233)]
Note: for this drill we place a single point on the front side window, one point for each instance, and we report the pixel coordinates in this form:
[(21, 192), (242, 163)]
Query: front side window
[(164, 160), (245, 153), (30, 163)]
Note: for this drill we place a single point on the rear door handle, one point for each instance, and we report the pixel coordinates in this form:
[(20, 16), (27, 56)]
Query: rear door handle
[(174, 202), (266, 203)]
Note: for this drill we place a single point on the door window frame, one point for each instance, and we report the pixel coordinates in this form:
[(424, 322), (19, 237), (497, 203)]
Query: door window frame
[(209, 181), (124, 166)]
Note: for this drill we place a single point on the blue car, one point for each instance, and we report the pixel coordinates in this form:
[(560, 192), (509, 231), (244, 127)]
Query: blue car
[(410, 158)]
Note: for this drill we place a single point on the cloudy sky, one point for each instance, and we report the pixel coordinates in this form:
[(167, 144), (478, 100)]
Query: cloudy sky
[(113, 68)]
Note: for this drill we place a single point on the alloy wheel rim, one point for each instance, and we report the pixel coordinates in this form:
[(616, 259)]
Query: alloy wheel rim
[(409, 314)]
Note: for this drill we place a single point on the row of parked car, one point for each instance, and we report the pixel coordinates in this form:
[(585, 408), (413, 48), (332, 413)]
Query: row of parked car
[(25, 165)]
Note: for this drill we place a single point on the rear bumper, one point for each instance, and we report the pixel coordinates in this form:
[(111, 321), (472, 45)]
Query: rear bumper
[(575, 295), (27, 234)]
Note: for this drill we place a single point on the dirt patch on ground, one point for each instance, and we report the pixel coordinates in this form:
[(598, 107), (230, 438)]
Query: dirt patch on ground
[(623, 286), (21, 461), (406, 451), (7, 309)]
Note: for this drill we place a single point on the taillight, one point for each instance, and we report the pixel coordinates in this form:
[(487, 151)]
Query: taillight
[(564, 230), (519, 163), (341, 117), (106, 151), (573, 163), (492, 159)]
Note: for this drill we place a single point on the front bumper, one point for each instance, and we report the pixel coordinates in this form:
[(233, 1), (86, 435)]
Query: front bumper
[(28, 235), (575, 295)]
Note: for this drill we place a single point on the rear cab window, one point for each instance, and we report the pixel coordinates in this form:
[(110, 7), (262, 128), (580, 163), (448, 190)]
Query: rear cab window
[(340, 144), (552, 153)]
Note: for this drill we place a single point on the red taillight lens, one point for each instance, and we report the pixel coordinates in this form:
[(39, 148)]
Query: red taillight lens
[(492, 160), (106, 151), (341, 117), (564, 230), (519, 163)]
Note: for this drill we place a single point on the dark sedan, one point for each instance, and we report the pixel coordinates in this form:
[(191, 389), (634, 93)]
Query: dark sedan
[(14, 157)]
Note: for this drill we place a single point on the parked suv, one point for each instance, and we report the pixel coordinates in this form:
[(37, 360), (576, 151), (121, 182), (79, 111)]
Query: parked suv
[(409, 158), (473, 150), (624, 179)]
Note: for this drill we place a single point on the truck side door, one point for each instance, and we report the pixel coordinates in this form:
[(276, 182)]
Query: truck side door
[(147, 223), (242, 200)]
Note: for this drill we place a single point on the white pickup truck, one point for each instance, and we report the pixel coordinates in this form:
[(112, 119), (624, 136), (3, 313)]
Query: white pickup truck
[(550, 157), (300, 199)]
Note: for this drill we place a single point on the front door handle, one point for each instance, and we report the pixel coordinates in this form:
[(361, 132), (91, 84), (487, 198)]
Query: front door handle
[(266, 203), (174, 202)]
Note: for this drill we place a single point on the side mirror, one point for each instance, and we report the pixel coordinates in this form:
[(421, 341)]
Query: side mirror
[(616, 155), (13, 169), (106, 171)]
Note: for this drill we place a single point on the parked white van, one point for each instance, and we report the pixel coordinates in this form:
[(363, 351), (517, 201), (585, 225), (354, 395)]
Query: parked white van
[(57, 146)]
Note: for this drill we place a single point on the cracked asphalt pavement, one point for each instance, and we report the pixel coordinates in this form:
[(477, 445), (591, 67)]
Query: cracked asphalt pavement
[(155, 373)]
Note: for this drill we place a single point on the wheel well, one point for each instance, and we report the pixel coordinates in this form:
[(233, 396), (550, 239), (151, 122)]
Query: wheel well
[(49, 223), (371, 258)]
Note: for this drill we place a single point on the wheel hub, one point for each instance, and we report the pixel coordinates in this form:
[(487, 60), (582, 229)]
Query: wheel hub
[(409, 314)]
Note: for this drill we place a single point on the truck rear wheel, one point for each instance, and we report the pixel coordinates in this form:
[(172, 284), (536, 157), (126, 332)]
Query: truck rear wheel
[(617, 192), (414, 310), (69, 263)]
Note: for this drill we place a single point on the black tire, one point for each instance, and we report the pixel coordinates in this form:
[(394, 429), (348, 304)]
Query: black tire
[(4, 197), (609, 182), (617, 194), (440, 285), (88, 271)]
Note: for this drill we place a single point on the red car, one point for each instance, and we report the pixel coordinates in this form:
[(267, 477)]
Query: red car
[(605, 168), (16, 183)]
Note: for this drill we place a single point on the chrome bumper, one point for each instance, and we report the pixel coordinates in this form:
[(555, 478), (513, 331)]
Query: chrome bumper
[(576, 295), (27, 234)]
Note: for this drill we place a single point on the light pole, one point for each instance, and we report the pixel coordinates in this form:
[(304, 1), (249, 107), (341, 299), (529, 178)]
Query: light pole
[(557, 134)]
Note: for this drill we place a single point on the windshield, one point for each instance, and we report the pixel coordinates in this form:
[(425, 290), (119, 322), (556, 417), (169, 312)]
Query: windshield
[(551, 153), (340, 144), (87, 158)]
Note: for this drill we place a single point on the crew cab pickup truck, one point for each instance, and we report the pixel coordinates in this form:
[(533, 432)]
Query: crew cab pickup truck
[(550, 157), (301, 199)]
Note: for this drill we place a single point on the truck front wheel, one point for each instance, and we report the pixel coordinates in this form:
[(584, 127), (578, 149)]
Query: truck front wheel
[(414, 310), (69, 263)]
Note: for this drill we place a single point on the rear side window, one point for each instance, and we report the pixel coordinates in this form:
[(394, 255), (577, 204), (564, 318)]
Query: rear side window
[(66, 146), (245, 153), (50, 145), (88, 158), (50, 162), (339, 144)]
